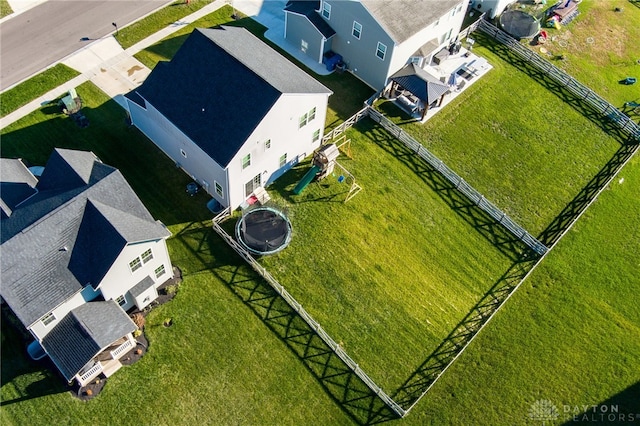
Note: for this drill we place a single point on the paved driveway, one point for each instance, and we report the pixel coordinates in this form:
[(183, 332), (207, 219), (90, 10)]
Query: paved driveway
[(49, 32)]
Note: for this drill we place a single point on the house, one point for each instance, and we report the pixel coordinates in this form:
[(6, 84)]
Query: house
[(78, 250), (231, 112), (494, 8), (373, 38)]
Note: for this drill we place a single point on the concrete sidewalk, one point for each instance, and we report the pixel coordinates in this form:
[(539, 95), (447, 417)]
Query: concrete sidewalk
[(106, 64)]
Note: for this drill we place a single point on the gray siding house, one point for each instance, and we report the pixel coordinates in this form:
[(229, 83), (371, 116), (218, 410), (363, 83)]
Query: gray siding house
[(375, 38), (231, 112), (77, 247)]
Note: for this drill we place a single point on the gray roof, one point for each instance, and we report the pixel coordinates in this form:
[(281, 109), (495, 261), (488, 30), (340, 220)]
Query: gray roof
[(419, 82), (403, 18), (219, 87), (17, 184), (142, 286), (85, 332), (61, 240), (309, 9)]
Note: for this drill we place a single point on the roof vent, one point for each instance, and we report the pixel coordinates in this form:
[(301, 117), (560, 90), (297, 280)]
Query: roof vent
[(64, 248)]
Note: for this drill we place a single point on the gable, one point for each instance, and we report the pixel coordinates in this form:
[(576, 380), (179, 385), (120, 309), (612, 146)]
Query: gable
[(17, 184), (219, 87)]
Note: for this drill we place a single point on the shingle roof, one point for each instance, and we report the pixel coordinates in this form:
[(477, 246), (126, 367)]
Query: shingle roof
[(17, 184), (220, 85), (420, 83), (145, 284), (309, 10), (85, 332), (61, 240), (404, 18)]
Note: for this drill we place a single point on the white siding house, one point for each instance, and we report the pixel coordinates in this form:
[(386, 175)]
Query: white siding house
[(97, 248), (375, 38), (231, 112)]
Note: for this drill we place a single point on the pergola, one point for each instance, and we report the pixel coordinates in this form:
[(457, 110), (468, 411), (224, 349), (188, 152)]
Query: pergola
[(427, 88)]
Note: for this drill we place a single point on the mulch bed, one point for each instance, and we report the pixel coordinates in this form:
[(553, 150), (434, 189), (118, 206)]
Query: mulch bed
[(92, 389)]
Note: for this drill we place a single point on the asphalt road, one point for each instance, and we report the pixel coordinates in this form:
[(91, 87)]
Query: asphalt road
[(43, 35)]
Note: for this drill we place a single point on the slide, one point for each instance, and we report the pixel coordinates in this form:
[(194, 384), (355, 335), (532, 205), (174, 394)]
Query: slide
[(306, 179)]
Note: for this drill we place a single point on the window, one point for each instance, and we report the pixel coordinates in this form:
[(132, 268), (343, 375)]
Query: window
[(316, 135), (447, 36), (303, 121), (160, 271), (381, 51), (312, 114), (357, 29), (184, 154), (326, 10), (246, 161), (251, 186), (121, 300), (218, 189), (147, 256), (283, 159), (267, 144), (304, 46), (135, 264), (48, 319)]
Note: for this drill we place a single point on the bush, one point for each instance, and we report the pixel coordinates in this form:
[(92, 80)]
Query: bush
[(171, 289)]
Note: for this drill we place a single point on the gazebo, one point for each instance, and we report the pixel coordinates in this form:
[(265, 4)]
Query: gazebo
[(417, 90)]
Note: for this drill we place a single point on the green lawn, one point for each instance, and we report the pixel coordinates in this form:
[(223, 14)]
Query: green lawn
[(394, 269), (5, 8), (36, 86), (601, 48), (528, 154), (158, 20)]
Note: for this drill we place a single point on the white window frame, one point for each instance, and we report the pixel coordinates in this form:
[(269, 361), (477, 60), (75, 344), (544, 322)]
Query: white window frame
[(354, 29), (218, 188), (381, 48), (283, 159), (326, 10), (311, 115), (160, 271), (48, 319), (147, 255), (121, 300), (267, 144), (246, 161), (137, 264), (316, 135)]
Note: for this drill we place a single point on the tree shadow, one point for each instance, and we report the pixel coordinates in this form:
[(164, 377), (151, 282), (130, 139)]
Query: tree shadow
[(623, 407), (421, 380), (492, 230), (15, 363), (580, 202), (354, 397), (603, 121)]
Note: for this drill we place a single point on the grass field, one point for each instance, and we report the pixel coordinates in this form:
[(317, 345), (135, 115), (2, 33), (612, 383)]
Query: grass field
[(36, 86), (394, 269), (570, 335), (601, 48), (529, 155), (162, 18)]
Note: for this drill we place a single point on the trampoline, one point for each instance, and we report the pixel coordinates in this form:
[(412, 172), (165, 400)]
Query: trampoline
[(263, 231), (519, 24)]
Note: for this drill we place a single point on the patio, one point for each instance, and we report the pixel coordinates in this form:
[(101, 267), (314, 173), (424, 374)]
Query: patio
[(459, 71)]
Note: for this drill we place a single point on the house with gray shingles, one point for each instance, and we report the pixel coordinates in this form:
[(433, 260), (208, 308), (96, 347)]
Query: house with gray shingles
[(375, 38), (78, 249), (230, 111)]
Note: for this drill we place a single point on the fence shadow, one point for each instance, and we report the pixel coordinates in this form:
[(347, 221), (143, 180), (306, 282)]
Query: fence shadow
[(505, 53), (340, 382), (435, 365), (507, 243), (580, 202)]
